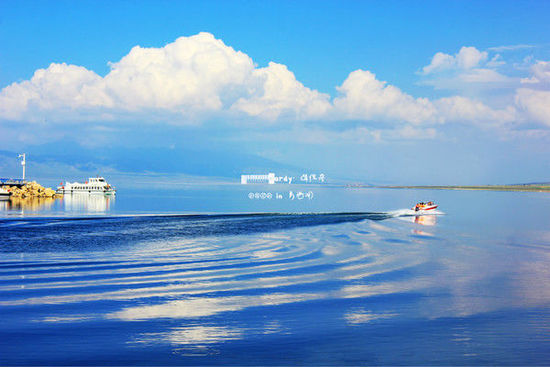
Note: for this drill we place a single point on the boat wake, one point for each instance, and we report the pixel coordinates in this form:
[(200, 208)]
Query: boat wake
[(412, 213)]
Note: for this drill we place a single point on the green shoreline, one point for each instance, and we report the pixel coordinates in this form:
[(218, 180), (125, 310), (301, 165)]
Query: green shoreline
[(527, 187)]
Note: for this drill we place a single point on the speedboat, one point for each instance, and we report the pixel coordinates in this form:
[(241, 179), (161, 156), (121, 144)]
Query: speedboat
[(421, 206)]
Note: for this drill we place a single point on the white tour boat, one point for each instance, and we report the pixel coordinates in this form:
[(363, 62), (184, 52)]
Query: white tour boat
[(4, 193), (94, 185)]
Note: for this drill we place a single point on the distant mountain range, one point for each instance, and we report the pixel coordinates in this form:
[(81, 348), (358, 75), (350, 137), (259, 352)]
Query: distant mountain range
[(208, 163)]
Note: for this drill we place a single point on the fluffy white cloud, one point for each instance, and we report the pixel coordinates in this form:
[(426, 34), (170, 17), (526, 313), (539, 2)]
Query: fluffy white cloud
[(193, 75), (470, 57), (461, 109), (535, 104), (59, 87), (199, 76), (468, 71), (440, 61), (540, 73), (190, 74), (274, 91), (533, 98), (363, 97), (367, 98), (466, 58)]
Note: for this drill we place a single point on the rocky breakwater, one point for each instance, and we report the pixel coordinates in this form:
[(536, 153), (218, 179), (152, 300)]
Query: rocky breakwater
[(30, 190)]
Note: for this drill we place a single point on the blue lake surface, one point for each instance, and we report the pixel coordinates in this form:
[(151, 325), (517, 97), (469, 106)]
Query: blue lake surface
[(206, 275)]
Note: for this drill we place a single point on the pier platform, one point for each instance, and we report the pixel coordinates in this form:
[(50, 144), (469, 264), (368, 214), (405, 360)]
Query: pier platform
[(12, 182)]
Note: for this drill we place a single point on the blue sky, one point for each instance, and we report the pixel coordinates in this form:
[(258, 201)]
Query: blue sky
[(397, 92)]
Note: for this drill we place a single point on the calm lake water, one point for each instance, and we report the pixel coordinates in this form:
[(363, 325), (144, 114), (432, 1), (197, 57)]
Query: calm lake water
[(340, 277)]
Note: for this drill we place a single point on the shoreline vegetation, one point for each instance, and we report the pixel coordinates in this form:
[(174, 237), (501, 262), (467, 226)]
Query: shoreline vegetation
[(536, 187)]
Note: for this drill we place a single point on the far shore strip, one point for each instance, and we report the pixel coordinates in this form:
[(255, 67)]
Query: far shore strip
[(537, 188)]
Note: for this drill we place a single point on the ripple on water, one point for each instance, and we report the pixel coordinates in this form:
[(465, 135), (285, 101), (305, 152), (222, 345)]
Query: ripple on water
[(194, 283), (182, 266)]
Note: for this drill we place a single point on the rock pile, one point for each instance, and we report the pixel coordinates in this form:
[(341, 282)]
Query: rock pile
[(30, 189)]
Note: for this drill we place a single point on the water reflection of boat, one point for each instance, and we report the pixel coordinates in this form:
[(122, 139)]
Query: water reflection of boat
[(82, 202), (425, 220)]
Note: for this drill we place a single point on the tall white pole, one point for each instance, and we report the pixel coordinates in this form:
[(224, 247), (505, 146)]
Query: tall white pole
[(23, 163)]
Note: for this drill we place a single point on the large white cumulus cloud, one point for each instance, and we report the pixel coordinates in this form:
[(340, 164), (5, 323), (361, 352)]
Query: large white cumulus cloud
[(274, 91), (365, 97), (60, 87), (197, 77), (190, 74), (193, 75)]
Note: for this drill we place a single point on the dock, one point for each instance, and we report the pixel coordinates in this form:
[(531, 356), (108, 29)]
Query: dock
[(13, 182)]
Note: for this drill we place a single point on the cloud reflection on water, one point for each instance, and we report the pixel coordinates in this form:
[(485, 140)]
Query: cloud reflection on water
[(362, 316), (199, 279)]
